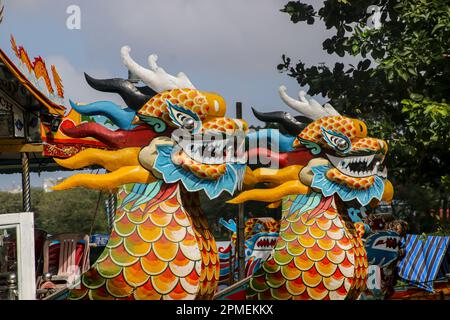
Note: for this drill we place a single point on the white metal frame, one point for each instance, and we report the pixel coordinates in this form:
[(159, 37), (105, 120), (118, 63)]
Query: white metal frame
[(24, 224)]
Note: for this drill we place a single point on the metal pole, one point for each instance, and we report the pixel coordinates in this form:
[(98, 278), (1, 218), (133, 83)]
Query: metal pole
[(26, 189), (241, 225)]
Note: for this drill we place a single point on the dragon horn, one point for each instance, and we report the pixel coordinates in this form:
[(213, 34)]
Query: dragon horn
[(292, 125), (310, 109), (134, 97), (155, 77)]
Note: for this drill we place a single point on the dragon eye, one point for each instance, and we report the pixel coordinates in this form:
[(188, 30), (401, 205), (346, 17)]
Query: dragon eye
[(184, 118), (336, 140)]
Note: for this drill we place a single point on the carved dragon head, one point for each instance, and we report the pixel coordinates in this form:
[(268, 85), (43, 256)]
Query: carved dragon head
[(170, 131), (341, 158)]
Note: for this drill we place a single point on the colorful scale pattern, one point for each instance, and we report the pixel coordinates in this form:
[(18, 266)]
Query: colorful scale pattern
[(356, 130), (162, 249), (203, 171), (318, 256), (209, 107), (354, 183)]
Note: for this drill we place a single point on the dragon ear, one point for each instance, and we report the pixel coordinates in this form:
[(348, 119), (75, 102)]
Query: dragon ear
[(184, 118)]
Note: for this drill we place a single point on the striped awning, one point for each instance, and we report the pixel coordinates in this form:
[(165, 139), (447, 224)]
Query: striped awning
[(424, 258)]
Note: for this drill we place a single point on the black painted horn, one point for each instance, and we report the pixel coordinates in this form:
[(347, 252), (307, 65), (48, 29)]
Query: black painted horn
[(292, 125), (134, 97)]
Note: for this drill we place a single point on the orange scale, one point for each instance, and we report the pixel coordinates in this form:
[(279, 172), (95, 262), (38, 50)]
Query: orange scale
[(296, 287), (304, 218), (181, 218), (149, 232), (318, 293), (165, 249), (306, 240), (325, 267), (334, 282), (78, 294), (189, 286), (92, 279), (100, 294), (107, 269), (258, 283), (270, 266), (146, 292), (214, 257), (165, 282), (290, 271), (135, 246), (336, 255), (299, 228), (288, 235), (323, 223), (282, 256), (205, 256), (124, 227), (280, 293), (330, 214), (316, 232), (118, 287), (347, 269), (326, 243), (136, 216), (335, 233), (178, 293), (311, 278), (160, 218), (294, 248), (114, 240), (345, 243), (135, 275), (303, 262), (152, 265), (315, 253), (211, 273), (275, 280), (121, 257), (175, 232), (339, 294)]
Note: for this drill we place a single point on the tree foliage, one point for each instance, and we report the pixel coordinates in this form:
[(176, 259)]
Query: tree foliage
[(400, 86), (61, 212)]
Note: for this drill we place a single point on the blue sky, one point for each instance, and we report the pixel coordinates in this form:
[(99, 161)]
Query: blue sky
[(231, 47)]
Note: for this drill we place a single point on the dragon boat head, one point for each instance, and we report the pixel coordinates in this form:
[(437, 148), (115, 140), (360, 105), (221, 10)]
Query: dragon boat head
[(170, 131)]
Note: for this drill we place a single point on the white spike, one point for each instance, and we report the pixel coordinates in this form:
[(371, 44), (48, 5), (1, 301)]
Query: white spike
[(310, 109), (155, 77)]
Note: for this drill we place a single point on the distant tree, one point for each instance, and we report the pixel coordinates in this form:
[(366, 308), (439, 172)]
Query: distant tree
[(400, 86), (62, 211)]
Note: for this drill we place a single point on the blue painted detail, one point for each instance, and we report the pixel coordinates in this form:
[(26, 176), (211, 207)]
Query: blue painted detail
[(230, 224), (329, 188), (313, 147), (120, 117), (157, 124), (273, 138), (142, 193), (213, 188), (304, 203), (176, 111), (383, 248), (328, 136)]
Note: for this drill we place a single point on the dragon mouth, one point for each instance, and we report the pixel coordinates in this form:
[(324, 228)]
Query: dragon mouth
[(359, 166), (212, 148), (265, 243)]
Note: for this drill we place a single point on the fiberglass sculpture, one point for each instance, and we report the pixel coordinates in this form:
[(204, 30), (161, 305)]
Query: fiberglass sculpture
[(319, 252)]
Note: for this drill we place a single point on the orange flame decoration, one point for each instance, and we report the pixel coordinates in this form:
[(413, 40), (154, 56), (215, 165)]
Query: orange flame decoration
[(39, 69)]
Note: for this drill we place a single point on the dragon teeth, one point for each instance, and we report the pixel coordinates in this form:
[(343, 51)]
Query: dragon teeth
[(344, 166)]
